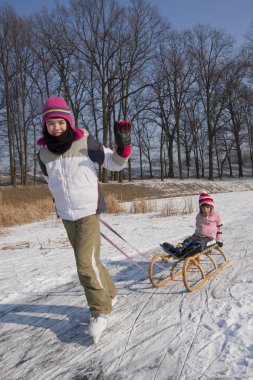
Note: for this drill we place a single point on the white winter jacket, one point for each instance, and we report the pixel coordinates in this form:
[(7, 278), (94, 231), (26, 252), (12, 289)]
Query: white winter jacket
[(72, 177)]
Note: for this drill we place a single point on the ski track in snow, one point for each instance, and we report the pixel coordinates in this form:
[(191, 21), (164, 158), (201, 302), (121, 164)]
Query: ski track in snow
[(161, 333)]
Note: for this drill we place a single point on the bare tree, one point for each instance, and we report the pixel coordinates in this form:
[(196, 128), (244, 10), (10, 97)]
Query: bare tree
[(95, 24), (8, 70), (249, 124), (179, 74), (184, 91), (211, 49), (234, 93)]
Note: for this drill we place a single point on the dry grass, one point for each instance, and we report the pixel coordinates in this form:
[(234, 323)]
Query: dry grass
[(143, 206), (188, 207), (170, 209), (14, 196), (21, 205), (113, 205), (25, 212)]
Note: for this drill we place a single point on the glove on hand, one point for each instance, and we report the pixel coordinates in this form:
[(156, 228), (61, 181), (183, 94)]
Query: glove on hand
[(220, 243), (122, 132)]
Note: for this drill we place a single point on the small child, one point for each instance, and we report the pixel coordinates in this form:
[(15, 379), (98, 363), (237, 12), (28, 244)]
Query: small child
[(207, 232)]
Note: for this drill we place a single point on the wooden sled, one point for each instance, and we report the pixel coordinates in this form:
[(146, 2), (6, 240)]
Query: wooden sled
[(196, 269)]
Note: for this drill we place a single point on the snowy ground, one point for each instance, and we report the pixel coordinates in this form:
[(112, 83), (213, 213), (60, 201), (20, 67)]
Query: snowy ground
[(154, 333)]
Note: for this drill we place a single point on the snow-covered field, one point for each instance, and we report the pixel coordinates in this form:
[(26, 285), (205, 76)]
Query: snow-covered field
[(154, 333)]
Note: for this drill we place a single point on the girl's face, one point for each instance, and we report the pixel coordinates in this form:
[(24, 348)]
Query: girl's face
[(206, 209), (56, 126)]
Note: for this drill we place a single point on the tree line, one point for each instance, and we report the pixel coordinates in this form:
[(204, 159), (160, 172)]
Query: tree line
[(189, 94)]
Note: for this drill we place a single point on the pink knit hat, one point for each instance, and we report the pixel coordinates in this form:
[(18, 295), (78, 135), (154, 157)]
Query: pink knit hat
[(57, 107), (205, 198)]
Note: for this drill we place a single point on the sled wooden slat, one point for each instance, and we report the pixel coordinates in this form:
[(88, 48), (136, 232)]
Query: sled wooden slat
[(192, 265)]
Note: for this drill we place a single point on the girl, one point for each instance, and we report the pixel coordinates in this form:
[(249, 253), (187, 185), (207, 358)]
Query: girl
[(67, 160), (208, 230), (208, 221)]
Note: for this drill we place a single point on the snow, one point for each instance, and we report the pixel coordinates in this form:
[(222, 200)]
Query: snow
[(153, 333)]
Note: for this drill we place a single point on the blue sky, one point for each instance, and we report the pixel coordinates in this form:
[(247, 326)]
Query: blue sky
[(233, 16)]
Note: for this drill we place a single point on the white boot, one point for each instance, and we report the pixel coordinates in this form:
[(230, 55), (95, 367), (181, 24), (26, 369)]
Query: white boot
[(97, 326)]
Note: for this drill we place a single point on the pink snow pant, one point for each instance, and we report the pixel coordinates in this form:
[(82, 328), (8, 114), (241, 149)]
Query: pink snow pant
[(84, 236)]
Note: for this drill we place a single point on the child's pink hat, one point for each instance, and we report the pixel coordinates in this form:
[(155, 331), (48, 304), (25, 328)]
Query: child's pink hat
[(57, 107), (205, 198)]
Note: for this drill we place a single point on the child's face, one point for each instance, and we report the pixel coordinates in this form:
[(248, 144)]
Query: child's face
[(56, 126), (206, 209)]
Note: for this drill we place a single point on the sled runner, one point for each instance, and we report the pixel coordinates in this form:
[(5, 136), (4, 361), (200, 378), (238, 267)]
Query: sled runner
[(195, 268)]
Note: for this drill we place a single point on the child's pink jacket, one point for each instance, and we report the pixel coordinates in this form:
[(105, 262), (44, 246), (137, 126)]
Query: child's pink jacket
[(209, 226)]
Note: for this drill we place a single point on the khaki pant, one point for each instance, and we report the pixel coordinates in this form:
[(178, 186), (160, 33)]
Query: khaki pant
[(84, 236)]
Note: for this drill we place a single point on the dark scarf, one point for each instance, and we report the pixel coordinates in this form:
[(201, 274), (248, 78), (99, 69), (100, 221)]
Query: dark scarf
[(59, 144)]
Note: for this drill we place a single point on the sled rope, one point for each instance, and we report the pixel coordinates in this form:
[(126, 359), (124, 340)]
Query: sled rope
[(130, 245), (123, 253), (121, 237)]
